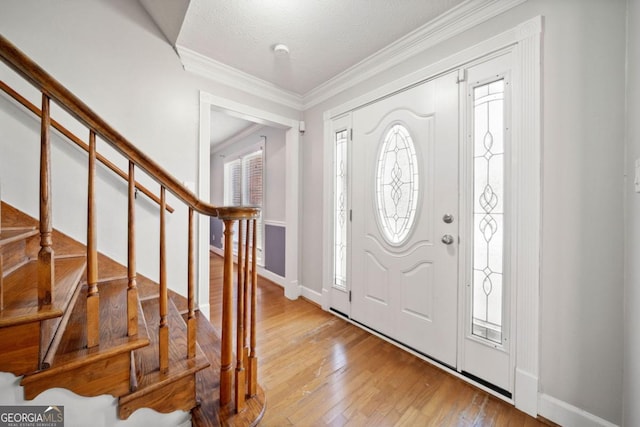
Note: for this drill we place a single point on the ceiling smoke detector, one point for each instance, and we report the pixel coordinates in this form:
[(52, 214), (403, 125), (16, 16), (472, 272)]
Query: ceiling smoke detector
[(281, 50)]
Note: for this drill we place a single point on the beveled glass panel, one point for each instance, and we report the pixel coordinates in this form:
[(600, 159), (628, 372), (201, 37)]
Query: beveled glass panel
[(488, 210), (340, 211), (397, 185)]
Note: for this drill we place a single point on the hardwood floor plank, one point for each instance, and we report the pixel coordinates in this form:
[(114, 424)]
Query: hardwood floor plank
[(319, 370)]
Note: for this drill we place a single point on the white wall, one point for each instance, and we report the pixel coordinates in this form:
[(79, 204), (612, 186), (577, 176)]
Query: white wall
[(111, 55), (632, 288), (582, 204)]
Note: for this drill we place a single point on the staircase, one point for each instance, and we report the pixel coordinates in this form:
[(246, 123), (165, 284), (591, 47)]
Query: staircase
[(72, 318)]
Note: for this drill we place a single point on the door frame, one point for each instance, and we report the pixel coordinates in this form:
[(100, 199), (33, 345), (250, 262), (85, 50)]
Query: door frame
[(524, 251), (292, 288)]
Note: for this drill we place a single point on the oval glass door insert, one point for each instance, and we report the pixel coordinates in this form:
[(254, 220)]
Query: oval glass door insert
[(397, 185)]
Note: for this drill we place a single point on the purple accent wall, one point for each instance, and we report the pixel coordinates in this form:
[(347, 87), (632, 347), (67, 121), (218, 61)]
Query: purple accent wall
[(274, 242)]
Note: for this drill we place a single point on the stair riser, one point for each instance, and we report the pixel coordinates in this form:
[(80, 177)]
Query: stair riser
[(178, 395), (21, 356), (106, 376), (15, 254)]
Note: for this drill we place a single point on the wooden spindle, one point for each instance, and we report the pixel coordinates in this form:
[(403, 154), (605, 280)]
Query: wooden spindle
[(132, 285), (45, 255), (226, 339), (191, 316), (93, 298), (163, 330), (245, 283), (253, 358), (240, 372)]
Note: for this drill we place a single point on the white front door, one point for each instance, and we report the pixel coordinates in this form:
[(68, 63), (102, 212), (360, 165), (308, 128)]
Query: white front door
[(404, 255)]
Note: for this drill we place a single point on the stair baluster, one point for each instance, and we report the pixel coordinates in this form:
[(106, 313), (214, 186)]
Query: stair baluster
[(93, 297), (245, 285), (191, 316), (164, 297), (253, 358), (132, 286), (226, 344), (240, 373), (45, 256)]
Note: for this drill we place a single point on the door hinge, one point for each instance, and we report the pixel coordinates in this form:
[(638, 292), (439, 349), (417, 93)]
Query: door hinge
[(462, 76), (350, 215), (349, 296), (351, 134)]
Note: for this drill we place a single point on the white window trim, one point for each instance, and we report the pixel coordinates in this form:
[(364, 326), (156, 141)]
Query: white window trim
[(526, 188)]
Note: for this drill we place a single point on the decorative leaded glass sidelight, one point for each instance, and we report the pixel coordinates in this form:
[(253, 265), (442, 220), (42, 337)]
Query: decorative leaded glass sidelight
[(340, 211), (488, 209), (397, 184)]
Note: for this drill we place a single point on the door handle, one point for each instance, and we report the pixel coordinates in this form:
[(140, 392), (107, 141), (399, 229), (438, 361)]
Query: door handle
[(447, 239)]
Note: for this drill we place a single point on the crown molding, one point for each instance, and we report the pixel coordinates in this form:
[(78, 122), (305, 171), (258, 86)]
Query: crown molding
[(451, 23), (217, 71)]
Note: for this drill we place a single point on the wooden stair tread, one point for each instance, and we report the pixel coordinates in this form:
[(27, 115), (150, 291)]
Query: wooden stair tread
[(147, 359), (10, 235), (21, 291), (113, 327)]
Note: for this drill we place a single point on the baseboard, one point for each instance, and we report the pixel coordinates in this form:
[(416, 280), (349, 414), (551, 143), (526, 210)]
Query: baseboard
[(269, 275), (568, 415), (526, 392), (311, 295)]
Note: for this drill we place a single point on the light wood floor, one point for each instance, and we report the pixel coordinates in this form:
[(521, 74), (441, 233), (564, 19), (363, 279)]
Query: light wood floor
[(317, 369)]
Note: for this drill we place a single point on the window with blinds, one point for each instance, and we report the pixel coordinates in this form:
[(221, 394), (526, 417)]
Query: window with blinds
[(243, 186)]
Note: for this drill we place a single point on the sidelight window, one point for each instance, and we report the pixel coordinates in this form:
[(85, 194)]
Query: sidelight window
[(488, 209), (340, 211)]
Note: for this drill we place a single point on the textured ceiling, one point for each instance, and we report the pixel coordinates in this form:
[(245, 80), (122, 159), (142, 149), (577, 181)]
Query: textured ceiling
[(325, 37)]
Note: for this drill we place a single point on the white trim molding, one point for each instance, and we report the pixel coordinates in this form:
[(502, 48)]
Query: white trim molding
[(525, 41), (568, 415), (451, 23), (292, 196), (526, 200), (312, 295), (204, 66), (275, 223)]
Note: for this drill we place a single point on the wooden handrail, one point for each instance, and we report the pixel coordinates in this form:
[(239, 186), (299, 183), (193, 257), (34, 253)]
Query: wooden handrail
[(39, 78), (73, 138)]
